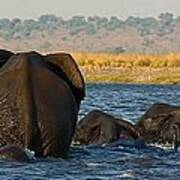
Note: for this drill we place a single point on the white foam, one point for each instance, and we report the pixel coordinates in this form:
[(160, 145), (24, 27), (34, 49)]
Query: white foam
[(30, 153), (93, 164), (167, 146), (127, 174)]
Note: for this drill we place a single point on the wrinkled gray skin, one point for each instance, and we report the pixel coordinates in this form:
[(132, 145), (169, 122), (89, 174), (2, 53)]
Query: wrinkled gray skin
[(160, 124), (39, 101), (99, 128)]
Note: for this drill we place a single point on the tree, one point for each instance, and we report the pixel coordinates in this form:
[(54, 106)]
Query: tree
[(49, 22), (132, 21), (148, 26), (76, 24), (166, 19), (114, 23), (76, 21), (166, 23), (6, 24)]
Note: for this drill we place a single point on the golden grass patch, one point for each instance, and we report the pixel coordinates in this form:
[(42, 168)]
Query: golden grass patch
[(130, 68)]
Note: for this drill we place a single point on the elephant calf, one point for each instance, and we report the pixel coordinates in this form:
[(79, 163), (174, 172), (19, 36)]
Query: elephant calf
[(160, 124), (98, 127)]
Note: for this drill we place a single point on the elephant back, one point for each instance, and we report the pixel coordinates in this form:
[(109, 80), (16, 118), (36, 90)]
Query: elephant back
[(65, 66), (38, 109), (156, 111), (129, 127), (4, 56), (159, 109)]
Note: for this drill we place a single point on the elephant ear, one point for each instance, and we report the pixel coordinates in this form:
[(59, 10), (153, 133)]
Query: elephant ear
[(128, 127), (4, 56), (65, 66)]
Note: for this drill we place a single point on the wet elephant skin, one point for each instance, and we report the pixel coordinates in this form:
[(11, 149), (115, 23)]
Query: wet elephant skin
[(98, 127), (160, 124), (38, 107)]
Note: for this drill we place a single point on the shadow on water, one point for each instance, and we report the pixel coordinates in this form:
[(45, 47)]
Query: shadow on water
[(119, 161)]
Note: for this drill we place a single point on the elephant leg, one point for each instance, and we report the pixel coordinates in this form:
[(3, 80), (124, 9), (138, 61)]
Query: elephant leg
[(56, 112), (176, 138)]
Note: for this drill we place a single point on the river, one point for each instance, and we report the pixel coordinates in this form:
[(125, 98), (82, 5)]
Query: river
[(122, 162)]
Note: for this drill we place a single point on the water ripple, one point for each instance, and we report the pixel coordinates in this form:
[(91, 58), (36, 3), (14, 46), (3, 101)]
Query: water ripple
[(106, 163)]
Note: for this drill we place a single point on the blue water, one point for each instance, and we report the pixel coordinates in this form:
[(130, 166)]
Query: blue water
[(123, 162)]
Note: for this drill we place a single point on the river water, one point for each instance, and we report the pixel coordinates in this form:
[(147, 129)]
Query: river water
[(122, 162)]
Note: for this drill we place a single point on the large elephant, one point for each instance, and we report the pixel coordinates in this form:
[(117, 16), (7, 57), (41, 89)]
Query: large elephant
[(160, 124), (39, 102), (98, 127), (4, 56)]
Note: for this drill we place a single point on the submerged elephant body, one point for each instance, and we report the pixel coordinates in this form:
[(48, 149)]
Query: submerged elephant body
[(100, 128), (14, 153), (38, 105), (160, 124)]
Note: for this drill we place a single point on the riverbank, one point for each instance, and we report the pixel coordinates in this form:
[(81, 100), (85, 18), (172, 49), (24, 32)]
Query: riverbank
[(130, 68)]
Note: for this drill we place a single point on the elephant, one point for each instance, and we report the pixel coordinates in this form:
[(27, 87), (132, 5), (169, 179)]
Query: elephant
[(99, 128), (4, 56), (40, 97), (14, 153), (160, 124)]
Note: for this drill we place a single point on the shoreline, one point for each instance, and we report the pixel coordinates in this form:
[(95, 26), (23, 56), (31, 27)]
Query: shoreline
[(132, 75), (129, 69)]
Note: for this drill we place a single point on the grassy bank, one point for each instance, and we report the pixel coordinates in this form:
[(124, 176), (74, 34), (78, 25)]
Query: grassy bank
[(130, 68)]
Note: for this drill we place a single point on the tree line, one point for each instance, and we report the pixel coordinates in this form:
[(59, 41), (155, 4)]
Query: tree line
[(17, 28)]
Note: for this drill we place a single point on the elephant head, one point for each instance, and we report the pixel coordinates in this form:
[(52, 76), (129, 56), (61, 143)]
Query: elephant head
[(38, 106), (98, 127), (64, 66), (160, 124)]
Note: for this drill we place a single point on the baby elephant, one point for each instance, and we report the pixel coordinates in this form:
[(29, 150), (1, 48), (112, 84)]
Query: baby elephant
[(14, 153), (98, 128)]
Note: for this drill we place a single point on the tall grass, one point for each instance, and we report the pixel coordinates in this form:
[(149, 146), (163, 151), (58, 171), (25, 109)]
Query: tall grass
[(130, 68), (127, 60)]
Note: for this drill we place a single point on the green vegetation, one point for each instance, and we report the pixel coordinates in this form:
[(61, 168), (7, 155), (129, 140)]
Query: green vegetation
[(94, 34), (162, 26)]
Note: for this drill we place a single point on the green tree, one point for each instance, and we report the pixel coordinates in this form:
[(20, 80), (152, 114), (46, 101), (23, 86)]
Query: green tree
[(114, 23), (166, 23), (76, 24)]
